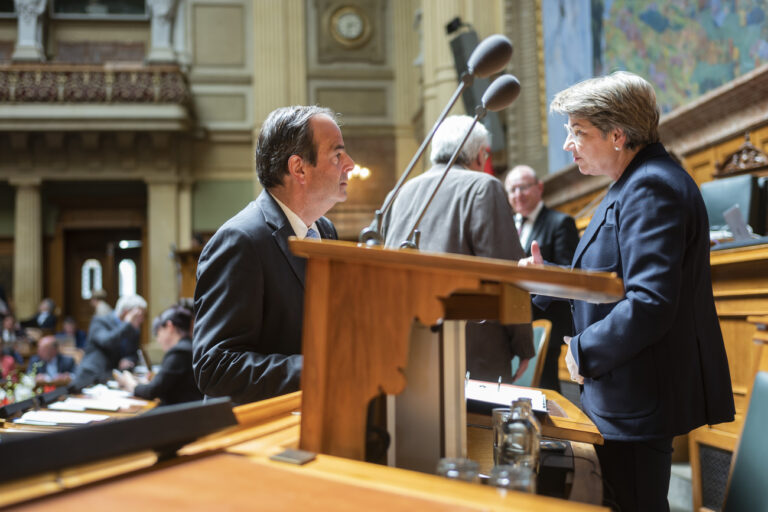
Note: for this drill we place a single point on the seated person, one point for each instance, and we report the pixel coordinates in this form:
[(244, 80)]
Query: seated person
[(69, 332), (8, 338), (45, 317), (174, 383), (113, 342), (49, 363)]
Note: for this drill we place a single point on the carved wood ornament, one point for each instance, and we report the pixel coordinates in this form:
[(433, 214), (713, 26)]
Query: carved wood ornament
[(747, 159)]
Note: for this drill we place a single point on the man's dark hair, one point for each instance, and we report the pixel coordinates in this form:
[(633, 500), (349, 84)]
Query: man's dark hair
[(287, 131)]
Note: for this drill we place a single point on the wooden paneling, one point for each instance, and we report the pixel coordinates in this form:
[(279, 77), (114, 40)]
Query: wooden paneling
[(740, 285), (700, 165)]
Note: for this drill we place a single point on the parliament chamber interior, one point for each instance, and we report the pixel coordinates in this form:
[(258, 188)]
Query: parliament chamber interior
[(128, 135)]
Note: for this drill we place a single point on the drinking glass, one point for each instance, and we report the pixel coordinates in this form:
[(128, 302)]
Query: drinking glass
[(498, 416), (458, 469)]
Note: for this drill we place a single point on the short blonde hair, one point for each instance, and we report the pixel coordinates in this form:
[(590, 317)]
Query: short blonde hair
[(620, 100)]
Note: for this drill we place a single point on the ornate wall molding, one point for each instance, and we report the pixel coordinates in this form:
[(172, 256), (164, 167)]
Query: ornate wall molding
[(746, 159), (92, 84)]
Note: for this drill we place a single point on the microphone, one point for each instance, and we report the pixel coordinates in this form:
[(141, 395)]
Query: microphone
[(489, 57), (499, 95)]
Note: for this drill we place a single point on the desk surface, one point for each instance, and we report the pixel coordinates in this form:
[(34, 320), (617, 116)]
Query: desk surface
[(232, 470)]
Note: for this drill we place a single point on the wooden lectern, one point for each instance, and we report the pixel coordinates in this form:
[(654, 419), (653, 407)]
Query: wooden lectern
[(359, 305)]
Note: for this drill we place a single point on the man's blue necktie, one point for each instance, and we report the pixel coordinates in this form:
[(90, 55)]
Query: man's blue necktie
[(311, 233)]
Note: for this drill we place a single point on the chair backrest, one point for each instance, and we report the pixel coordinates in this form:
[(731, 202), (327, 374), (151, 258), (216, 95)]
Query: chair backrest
[(532, 375), (721, 194), (747, 484)]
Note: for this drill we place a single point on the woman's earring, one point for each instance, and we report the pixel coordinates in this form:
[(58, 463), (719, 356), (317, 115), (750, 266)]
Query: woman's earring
[(616, 148)]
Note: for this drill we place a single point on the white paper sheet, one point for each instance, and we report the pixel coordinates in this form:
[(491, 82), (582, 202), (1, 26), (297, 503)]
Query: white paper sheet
[(504, 394), (59, 418)]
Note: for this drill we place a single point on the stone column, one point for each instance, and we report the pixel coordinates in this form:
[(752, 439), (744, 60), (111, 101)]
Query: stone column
[(162, 238), (27, 247), (440, 79), (279, 60), (180, 39), (526, 118), (185, 215), (163, 13), (29, 39), (406, 50)]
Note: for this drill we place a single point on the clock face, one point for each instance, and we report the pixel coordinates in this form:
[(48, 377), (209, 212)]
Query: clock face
[(349, 25)]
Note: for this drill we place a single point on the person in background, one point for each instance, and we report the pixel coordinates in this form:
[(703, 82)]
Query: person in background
[(99, 303), (175, 382), (113, 342), (651, 365), (249, 298), (45, 317), (70, 332), (469, 215), (48, 363), (11, 334), (557, 236)]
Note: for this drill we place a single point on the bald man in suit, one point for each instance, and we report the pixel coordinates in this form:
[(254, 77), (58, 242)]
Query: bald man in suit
[(557, 237)]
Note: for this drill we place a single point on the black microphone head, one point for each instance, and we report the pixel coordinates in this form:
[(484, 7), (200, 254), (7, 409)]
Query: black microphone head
[(491, 56), (501, 93)]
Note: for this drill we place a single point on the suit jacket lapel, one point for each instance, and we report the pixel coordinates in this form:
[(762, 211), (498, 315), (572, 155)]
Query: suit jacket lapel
[(597, 220), (537, 229), (650, 151), (282, 229)]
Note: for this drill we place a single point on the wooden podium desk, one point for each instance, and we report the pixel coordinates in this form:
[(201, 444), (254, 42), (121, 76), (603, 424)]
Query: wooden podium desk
[(360, 303), (231, 470)]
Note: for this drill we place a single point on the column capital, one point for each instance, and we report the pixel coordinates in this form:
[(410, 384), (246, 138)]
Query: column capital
[(162, 180), (25, 181)]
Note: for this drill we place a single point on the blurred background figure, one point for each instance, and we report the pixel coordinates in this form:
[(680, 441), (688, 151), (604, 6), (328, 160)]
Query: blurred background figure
[(49, 363), (175, 382), (113, 341), (11, 333), (71, 334), (99, 303), (45, 317)]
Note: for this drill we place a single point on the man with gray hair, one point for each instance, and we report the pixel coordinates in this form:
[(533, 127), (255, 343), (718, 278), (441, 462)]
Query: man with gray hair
[(249, 299), (113, 342), (469, 215)]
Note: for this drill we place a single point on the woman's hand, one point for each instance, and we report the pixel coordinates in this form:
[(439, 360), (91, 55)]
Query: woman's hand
[(570, 362), (535, 257)]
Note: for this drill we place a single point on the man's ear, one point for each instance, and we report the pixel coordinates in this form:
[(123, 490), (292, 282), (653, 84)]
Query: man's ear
[(296, 168)]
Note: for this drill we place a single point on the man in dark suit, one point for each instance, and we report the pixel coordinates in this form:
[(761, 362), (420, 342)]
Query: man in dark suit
[(469, 215), (249, 298), (556, 234), (48, 362)]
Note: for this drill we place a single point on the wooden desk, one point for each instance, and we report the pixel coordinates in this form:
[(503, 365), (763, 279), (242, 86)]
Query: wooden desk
[(7, 426), (232, 470), (740, 287)]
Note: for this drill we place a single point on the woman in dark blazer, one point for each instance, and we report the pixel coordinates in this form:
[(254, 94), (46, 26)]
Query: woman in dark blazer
[(174, 382), (652, 365)]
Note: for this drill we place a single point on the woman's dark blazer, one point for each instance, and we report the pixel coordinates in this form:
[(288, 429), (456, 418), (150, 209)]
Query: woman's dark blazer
[(654, 362)]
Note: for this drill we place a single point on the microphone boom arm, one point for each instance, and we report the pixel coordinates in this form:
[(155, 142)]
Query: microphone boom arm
[(412, 242), (371, 235)]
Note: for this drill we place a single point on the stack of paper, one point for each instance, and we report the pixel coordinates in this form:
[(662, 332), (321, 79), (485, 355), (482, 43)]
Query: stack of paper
[(53, 418), (503, 394)]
